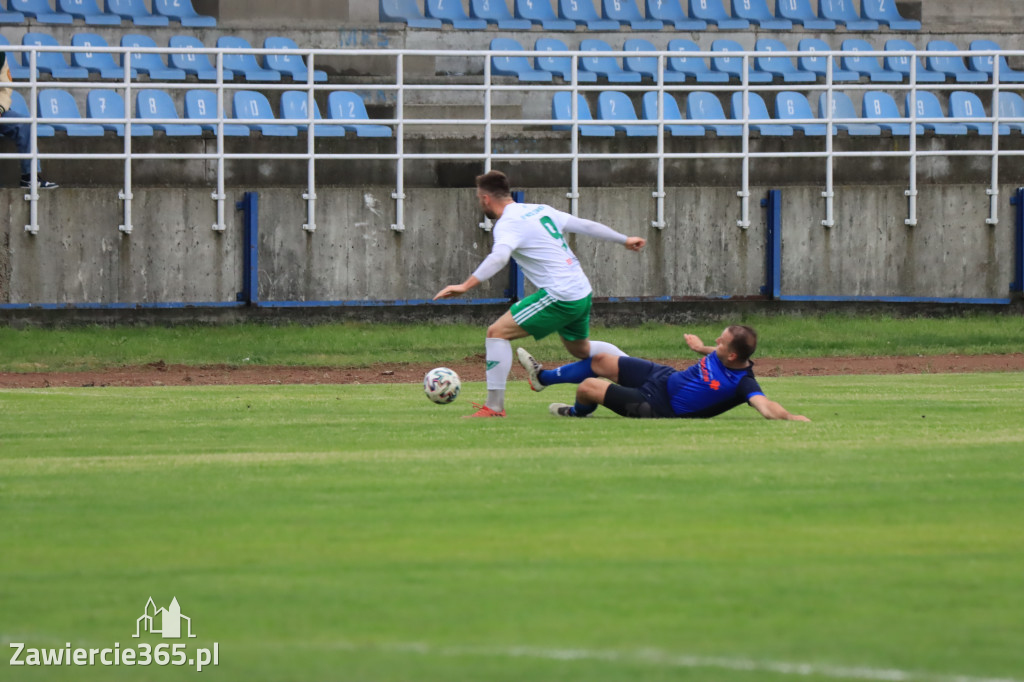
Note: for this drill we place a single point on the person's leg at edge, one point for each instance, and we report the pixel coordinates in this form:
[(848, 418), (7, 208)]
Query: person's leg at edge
[(589, 395), (601, 365), (498, 348)]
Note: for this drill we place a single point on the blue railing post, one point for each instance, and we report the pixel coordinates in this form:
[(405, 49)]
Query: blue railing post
[(773, 246), (1017, 285), (516, 286), (249, 205)]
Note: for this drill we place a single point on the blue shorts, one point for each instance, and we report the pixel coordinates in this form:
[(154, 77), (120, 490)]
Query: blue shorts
[(641, 391)]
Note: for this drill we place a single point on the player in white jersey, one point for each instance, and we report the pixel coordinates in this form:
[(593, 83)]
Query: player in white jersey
[(533, 235)]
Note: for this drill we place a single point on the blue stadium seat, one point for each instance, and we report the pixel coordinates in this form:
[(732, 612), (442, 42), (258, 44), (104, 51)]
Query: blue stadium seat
[(540, 12), (791, 105), (702, 105), (886, 12), (183, 12), (561, 110), (986, 64), (97, 62), (713, 12), (289, 64), (110, 104), (89, 12), (734, 65), (780, 66), (345, 105), (295, 107), (136, 12), (40, 10), (515, 66), (407, 12), (673, 12), (758, 111), (451, 12), (149, 63), (615, 106), (842, 107), (1011, 105), (626, 12), (202, 104), (843, 11), (559, 66), (877, 104), (648, 66), (952, 65), (693, 66), (245, 64), (19, 107), (18, 72), (757, 13), (60, 104), (670, 112), (867, 65), (9, 17), (496, 12), (901, 63), (249, 104), (195, 63), (158, 104), (583, 13), (819, 65), (52, 63), (968, 105), (928, 106), (800, 12), (607, 67)]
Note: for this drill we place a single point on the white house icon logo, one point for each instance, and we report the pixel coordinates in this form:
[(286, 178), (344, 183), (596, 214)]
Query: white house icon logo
[(163, 622)]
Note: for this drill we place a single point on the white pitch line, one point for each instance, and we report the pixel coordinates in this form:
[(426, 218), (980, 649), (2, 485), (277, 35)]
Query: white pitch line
[(669, 660)]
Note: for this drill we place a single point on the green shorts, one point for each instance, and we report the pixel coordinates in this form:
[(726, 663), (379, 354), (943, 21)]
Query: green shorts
[(540, 314)]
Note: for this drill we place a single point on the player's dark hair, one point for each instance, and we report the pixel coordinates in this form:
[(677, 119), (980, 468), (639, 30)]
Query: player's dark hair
[(494, 183), (744, 341)]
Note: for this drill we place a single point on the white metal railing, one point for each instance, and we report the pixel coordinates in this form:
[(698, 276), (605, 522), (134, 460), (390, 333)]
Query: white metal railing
[(488, 125)]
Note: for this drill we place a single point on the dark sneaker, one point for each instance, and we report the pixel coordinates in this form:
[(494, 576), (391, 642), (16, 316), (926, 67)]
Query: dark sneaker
[(561, 410), (532, 368), (26, 183)]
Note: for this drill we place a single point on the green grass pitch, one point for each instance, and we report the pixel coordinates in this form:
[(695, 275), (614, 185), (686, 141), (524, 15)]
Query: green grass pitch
[(334, 533)]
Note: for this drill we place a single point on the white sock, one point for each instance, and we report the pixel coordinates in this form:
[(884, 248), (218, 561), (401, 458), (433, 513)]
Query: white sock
[(605, 347), (499, 363)]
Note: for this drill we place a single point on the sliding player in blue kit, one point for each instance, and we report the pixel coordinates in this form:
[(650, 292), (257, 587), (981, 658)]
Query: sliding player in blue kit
[(723, 379), (533, 234)]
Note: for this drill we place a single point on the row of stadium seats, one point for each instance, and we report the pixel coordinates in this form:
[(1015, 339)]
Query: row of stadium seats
[(113, 12), (680, 15), (789, 106), (199, 104), (891, 69), (153, 66)]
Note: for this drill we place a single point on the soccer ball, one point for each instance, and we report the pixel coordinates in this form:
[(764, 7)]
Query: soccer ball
[(441, 385)]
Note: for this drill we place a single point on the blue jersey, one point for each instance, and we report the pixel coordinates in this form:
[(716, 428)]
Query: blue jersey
[(710, 388)]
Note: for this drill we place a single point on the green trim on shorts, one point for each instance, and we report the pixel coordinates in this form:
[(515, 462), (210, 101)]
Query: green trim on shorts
[(541, 314)]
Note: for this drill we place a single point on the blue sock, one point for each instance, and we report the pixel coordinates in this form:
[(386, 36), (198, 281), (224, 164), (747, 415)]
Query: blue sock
[(573, 373), (582, 410)]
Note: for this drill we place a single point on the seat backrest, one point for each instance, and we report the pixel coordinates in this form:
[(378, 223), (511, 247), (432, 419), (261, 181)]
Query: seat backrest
[(509, 62), (200, 104), (141, 59), (561, 107), (175, 8), (900, 63), (251, 104), (947, 64), (733, 65), (966, 105), (686, 64), (669, 106), (82, 7), (288, 63), (242, 61), (842, 106), (773, 63), (884, 10), (190, 61), (667, 10), (534, 10), (622, 11), (346, 105), (794, 9), (559, 65), (295, 104), (93, 59), (703, 105), (838, 10), (57, 104), (154, 104), (598, 63), (613, 105), (44, 59), (812, 62), (986, 64), (578, 10), (927, 104), (793, 105), (445, 9), (495, 10), (134, 8), (104, 104), (758, 109), (1011, 105), (877, 104), (712, 10), (752, 9), (645, 65), (857, 62)]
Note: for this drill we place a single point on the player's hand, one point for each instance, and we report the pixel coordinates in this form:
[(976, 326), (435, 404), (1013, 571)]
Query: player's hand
[(694, 342), (451, 290), (798, 418), (635, 243)]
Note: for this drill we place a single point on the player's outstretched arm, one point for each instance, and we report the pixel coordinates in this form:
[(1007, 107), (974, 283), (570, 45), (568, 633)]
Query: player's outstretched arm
[(635, 243), (696, 345), (770, 409), (457, 289)]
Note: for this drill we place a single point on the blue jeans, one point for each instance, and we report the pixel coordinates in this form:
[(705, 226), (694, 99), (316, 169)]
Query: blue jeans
[(21, 133)]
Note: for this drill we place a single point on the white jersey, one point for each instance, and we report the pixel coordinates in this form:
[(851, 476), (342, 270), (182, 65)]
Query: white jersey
[(534, 233)]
